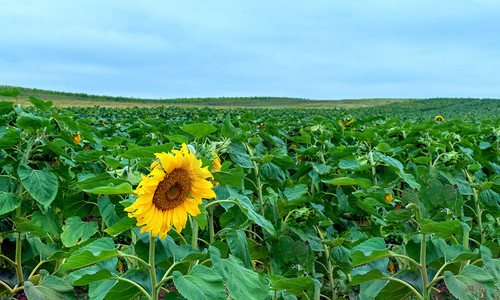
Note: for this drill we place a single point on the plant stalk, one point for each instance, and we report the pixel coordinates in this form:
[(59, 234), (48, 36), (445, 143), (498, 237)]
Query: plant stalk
[(423, 268), (152, 268), (19, 268)]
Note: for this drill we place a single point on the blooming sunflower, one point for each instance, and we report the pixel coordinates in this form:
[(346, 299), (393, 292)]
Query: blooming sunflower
[(174, 188), (439, 118)]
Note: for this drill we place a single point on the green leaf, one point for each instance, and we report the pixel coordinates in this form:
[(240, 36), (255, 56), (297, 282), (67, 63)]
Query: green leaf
[(56, 283), (92, 276), (124, 224), (238, 154), (232, 177), (180, 139), (470, 276), (200, 283), (295, 193), (362, 182), (443, 229), (374, 274), (8, 202), (76, 231), (111, 189), (247, 208), (398, 167), (32, 293), (41, 184), (31, 121), (490, 266), (148, 152), (348, 164), (57, 150), (43, 105), (9, 137), (6, 107), (459, 180), (484, 145), (237, 241), (49, 221), (294, 285), (94, 252), (242, 283), (10, 93), (105, 184), (107, 210), (198, 130), (370, 250), (124, 290), (228, 130), (90, 155)]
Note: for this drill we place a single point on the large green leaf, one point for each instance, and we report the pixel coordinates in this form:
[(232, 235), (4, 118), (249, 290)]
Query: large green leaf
[(41, 184), (76, 231), (238, 154), (198, 130), (124, 224), (443, 229), (10, 93), (471, 276), (148, 152), (94, 252), (200, 283), (32, 122), (104, 184), (294, 285), (228, 130), (398, 168), (6, 107), (237, 241), (362, 182), (107, 210), (248, 209), (9, 137), (8, 202), (242, 283), (92, 276), (43, 105), (232, 177)]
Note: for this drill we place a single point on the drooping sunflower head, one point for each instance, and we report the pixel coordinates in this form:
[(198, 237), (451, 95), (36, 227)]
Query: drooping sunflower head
[(217, 163), (388, 198), (174, 188), (216, 167), (77, 139)]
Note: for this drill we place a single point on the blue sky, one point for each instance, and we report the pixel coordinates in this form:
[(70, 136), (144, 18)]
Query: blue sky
[(309, 49)]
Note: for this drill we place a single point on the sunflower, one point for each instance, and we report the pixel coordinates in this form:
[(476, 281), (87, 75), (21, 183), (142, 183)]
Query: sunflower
[(439, 118), (216, 167), (217, 164), (77, 139), (388, 198), (174, 188)]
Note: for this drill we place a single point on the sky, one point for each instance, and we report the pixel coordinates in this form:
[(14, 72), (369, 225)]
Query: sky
[(226, 48)]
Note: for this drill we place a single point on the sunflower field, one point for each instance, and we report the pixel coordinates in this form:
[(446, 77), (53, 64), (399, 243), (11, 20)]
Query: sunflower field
[(200, 203)]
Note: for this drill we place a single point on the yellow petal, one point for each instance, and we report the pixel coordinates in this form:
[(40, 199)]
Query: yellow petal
[(191, 207)]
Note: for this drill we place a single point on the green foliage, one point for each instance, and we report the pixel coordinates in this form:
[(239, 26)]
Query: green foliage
[(380, 202)]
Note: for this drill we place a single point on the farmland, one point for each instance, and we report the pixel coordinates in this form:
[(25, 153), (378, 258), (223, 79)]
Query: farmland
[(398, 200)]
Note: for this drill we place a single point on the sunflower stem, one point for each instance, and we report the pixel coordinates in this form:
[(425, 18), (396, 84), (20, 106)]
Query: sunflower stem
[(211, 229), (152, 269), (194, 233), (19, 268)]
